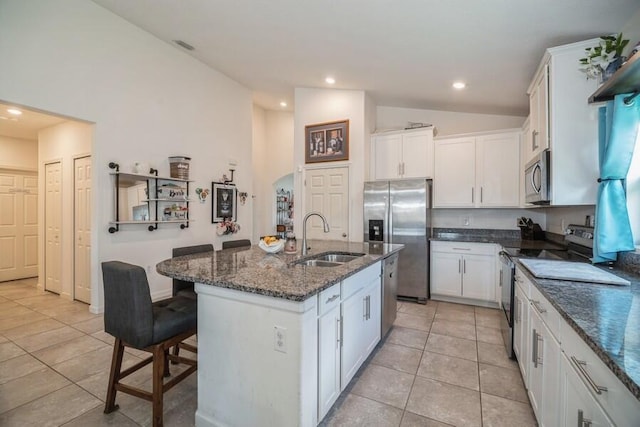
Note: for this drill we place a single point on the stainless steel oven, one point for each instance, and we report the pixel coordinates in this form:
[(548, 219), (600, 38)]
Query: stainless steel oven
[(537, 179), (507, 285)]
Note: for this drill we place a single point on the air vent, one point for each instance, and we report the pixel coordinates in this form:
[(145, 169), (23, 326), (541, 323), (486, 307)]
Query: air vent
[(184, 45)]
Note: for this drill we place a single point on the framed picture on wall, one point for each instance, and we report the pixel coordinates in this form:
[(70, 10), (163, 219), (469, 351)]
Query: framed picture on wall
[(225, 202), (327, 142)]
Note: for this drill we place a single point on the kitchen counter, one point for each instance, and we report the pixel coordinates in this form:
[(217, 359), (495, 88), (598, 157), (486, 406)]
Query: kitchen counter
[(504, 238), (606, 317), (252, 270)]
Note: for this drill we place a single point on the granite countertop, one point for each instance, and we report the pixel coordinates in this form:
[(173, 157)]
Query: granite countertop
[(606, 317), (250, 269)]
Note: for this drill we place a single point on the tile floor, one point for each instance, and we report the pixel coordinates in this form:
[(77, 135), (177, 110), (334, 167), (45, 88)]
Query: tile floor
[(442, 364)]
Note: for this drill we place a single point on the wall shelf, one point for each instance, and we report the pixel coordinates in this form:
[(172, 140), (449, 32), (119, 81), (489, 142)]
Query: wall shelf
[(144, 204), (625, 80)]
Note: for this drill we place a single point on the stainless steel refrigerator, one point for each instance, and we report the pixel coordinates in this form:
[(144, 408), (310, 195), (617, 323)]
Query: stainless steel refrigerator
[(399, 211)]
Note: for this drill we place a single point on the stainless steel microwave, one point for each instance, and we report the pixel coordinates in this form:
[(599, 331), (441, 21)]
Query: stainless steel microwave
[(537, 185)]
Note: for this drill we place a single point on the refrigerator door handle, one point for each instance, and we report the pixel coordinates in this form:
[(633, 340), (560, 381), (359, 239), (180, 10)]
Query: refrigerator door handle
[(390, 216)]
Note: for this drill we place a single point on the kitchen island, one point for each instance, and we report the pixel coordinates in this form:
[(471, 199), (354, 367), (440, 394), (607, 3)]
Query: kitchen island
[(278, 341)]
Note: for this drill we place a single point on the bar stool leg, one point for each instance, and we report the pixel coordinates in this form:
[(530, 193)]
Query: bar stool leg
[(114, 376), (159, 362)]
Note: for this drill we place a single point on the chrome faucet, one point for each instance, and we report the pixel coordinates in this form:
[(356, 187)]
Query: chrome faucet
[(304, 229)]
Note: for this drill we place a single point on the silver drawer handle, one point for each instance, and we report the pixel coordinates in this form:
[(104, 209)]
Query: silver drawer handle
[(580, 366), (461, 249), (333, 298), (582, 421), (540, 309)]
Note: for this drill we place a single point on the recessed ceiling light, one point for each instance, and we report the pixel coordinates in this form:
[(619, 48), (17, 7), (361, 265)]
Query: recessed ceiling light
[(459, 85), (330, 80), (14, 111), (283, 104)]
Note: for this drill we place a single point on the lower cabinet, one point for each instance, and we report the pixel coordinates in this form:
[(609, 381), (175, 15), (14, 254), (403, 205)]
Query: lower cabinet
[(328, 360), (567, 383), (544, 367), (349, 322), (465, 270), (521, 331), (580, 408)]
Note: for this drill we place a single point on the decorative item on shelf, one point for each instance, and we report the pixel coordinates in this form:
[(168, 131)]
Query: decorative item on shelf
[(224, 202), (227, 226), (243, 197), (141, 168), (635, 50), (327, 142), (175, 212), (179, 167), (172, 191), (604, 59), (202, 194)]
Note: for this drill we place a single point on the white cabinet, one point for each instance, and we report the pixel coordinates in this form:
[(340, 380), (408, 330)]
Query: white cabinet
[(538, 139), (544, 372), (402, 154), (580, 408), (349, 320), (562, 120), (480, 170), (463, 270), (521, 329), (454, 173), (328, 349), (360, 327)]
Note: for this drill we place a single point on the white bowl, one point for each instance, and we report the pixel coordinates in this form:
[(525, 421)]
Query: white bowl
[(272, 248)]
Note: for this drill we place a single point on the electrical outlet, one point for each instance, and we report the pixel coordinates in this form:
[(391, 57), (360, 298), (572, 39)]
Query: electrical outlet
[(562, 226), (280, 339), (465, 221)]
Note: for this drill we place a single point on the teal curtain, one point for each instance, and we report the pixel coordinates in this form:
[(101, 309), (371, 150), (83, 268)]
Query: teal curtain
[(618, 129)]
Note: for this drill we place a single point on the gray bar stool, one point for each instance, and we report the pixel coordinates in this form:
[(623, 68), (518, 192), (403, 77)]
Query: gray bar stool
[(135, 321), (236, 243)]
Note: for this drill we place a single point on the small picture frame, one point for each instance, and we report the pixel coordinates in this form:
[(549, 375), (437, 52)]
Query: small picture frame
[(327, 142), (224, 204)]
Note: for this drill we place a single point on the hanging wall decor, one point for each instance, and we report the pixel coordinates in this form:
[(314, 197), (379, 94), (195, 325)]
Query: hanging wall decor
[(224, 204), (327, 142)]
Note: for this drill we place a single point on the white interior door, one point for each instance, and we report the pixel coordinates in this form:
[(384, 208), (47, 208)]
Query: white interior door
[(53, 227), (18, 225), (82, 230), (327, 192)]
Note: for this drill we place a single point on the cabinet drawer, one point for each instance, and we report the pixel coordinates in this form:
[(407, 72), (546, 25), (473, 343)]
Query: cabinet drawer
[(464, 247), (329, 298), (548, 314), (621, 406), (353, 284)]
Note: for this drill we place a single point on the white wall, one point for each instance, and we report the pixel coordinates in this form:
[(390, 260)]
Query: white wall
[(496, 219), (631, 31), (272, 159), (17, 153), (63, 143), (326, 105), (446, 122), (149, 101)]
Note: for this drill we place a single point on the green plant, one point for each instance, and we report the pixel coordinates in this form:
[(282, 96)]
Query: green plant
[(599, 57)]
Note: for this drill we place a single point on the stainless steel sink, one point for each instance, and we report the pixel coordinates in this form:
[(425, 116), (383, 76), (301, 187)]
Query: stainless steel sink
[(338, 257), (319, 263)]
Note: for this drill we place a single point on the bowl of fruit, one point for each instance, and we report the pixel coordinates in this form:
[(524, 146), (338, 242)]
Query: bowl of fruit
[(271, 244)]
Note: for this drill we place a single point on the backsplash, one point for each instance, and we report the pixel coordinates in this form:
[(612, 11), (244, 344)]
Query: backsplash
[(499, 219)]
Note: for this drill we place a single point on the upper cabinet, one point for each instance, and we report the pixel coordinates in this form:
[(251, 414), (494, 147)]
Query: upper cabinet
[(402, 154), (562, 120), (478, 170)]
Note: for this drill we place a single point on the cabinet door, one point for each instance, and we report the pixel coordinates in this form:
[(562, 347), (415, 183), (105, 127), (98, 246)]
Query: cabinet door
[(479, 277), (539, 110), (498, 170), (454, 173), (580, 408), (417, 155), (535, 367), (328, 360), (520, 333), (387, 160), (353, 318), (551, 397), (446, 274), (372, 322)]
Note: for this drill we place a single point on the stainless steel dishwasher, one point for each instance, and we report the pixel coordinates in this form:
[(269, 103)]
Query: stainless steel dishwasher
[(389, 293)]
